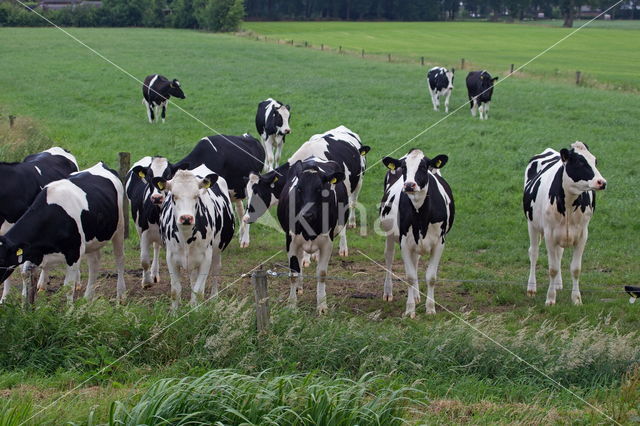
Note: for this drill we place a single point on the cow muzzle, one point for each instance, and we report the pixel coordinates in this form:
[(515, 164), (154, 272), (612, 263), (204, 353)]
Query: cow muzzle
[(601, 184), (410, 187), (285, 131), (157, 199), (186, 219)]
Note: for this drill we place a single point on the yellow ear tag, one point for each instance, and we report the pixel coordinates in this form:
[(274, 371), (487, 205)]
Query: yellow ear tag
[(141, 174), (275, 179), (438, 163), (19, 252), (206, 184), (160, 185), (363, 153), (391, 166), (333, 181)]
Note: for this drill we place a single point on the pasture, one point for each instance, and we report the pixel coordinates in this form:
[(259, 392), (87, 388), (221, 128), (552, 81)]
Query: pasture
[(65, 95)]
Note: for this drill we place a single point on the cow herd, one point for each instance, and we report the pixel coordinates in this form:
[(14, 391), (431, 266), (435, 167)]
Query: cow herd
[(53, 213)]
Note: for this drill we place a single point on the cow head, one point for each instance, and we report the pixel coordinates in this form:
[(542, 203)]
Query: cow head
[(10, 257), (580, 172), (278, 120), (176, 90), (486, 82), (450, 75), (263, 191), (159, 170), (415, 172), (184, 191)]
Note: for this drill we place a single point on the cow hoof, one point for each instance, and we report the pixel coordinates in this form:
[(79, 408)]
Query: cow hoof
[(351, 225), (417, 297), (41, 290), (343, 252), (558, 286), (244, 244), (550, 302), (156, 279), (576, 299), (431, 312), (388, 297), (299, 291), (322, 309), (531, 293), (146, 284), (306, 263), (410, 314)]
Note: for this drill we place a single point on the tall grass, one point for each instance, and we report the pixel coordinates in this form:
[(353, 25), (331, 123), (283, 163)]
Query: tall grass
[(14, 413), (226, 397)]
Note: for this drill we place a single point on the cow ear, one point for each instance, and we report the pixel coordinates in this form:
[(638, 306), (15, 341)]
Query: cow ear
[(334, 177), (438, 161), (391, 163), (494, 79), (179, 166), (160, 183), (453, 70), (364, 149), (140, 171), (208, 181), (288, 107), (565, 154)]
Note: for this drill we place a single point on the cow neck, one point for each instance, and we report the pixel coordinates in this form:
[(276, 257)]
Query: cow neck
[(569, 200), (26, 234)]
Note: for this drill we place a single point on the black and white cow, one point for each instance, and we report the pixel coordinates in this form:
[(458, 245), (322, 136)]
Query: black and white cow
[(272, 123), (234, 158), (417, 210), (196, 224), (70, 219), (440, 81), (559, 200), (340, 145), (22, 182), (313, 209), (156, 91), (480, 90), (146, 201)]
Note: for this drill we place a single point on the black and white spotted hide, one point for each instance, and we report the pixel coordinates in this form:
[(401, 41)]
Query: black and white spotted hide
[(71, 219), (559, 200), (196, 225), (156, 91), (417, 210), (440, 82), (313, 209), (272, 123)]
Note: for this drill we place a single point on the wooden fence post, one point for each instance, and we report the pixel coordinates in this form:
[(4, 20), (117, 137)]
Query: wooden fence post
[(389, 56), (362, 53), (462, 64), (306, 44), (30, 297), (125, 163), (339, 49), (422, 61), (578, 77), (321, 46), (12, 120), (259, 281), (511, 72)]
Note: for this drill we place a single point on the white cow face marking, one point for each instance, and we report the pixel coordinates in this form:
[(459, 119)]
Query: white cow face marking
[(450, 78), (580, 172), (415, 171), (283, 128), (186, 188)]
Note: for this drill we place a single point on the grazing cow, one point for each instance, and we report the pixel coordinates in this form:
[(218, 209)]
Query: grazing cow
[(313, 208), (340, 145), (21, 183), (440, 82), (146, 201), (71, 218), (272, 123), (417, 210), (559, 200), (234, 158), (196, 224), (480, 89), (156, 91)]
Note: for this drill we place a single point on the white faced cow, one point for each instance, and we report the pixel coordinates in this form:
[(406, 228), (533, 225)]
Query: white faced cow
[(440, 82), (340, 145), (196, 225), (156, 91), (272, 123), (480, 90), (559, 200), (146, 201), (22, 182), (69, 219), (313, 208), (417, 210)]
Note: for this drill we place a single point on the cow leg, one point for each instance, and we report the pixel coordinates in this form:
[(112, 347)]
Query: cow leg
[(559, 278), (216, 265), (323, 265), (5, 291), (295, 254), (446, 101), (576, 266), (486, 110), (554, 254), (147, 106), (164, 110), (410, 266), (117, 241), (93, 261), (474, 106), (199, 275), (244, 227), (534, 245), (71, 279), (344, 248), (145, 245), (353, 201), (155, 266), (43, 279), (306, 259), (389, 251), (431, 274), (174, 274), (152, 115)]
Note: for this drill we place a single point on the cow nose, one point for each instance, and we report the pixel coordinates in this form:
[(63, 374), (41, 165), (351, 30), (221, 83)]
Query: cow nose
[(409, 186), (602, 184), (157, 199), (186, 219), (286, 131)]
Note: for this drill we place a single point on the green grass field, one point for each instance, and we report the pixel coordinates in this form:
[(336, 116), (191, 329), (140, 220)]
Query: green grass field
[(604, 56), (62, 93)]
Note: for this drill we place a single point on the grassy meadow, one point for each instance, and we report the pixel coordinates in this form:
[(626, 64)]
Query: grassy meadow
[(603, 54), (435, 370)]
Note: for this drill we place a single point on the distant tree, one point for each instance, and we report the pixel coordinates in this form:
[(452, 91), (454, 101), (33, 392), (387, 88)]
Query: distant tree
[(154, 14), (183, 14), (219, 15)]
